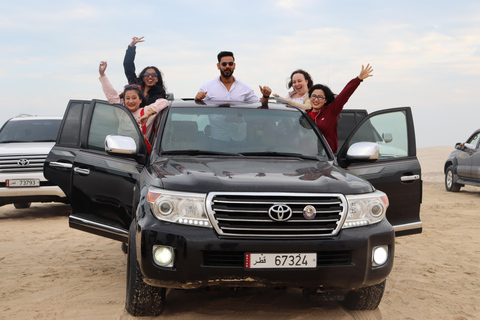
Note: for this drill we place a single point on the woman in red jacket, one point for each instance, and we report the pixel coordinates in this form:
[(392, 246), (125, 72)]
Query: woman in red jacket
[(326, 106)]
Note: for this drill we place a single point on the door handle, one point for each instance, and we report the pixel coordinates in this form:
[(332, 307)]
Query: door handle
[(81, 171), (60, 165), (410, 178)]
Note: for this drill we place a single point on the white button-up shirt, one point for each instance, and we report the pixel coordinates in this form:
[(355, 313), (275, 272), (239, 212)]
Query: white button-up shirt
[(239, 91)]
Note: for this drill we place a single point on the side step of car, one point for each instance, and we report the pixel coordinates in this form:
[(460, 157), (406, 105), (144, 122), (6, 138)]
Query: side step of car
[(99, 226), (469, 182)]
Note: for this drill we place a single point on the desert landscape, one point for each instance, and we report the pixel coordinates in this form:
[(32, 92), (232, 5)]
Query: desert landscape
[(49, 271)]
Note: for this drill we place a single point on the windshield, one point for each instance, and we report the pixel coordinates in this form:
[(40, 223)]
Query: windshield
[(240, 131), (30, 131)]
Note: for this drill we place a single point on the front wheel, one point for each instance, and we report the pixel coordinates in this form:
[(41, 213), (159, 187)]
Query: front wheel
[(142, 299), (450, 185), (365, 298)]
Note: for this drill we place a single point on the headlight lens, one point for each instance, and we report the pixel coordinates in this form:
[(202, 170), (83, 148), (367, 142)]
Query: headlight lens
[(178, 207), (365, 209)]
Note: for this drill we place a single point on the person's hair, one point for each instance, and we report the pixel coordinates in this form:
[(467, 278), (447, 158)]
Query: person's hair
[(225, 54), (307, 76), (138, 90), (329, 95), (158, 90)]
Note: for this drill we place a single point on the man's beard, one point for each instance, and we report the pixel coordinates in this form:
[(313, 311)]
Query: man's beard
[(226, 75)]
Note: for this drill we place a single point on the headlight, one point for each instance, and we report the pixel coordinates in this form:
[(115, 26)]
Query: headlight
[(365, 209), (178, 207)]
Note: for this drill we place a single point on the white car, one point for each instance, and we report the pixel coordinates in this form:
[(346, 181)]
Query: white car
[(25, 142)]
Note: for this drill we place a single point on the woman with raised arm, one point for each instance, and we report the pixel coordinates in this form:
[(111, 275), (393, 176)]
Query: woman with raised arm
[(326, 106), (150, 78), (134, 100)]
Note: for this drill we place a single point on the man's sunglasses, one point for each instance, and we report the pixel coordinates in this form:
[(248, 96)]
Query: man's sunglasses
[(224, 64)]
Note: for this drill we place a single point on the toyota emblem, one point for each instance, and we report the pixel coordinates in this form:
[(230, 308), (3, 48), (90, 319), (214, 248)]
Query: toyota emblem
[(280, 212), (23, 162)]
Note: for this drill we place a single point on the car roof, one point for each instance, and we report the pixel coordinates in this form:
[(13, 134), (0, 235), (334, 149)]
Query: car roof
[(182, 103), (25, 117)]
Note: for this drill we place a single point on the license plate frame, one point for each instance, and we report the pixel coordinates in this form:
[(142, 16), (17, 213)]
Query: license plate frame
[(292, 260), (22, 183)]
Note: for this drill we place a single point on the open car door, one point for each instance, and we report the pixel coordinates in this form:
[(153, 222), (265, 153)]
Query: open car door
[(99, 186), (397, 170)]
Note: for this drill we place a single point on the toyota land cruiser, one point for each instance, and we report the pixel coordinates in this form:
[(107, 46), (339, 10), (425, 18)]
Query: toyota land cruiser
[(236, 194)]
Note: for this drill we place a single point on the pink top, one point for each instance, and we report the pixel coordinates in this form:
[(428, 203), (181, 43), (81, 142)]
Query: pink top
[(113, 97)]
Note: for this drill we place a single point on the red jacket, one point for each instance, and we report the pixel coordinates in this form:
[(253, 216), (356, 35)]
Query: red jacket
[(326, 118)]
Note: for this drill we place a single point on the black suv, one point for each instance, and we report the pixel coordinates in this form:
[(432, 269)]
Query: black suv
[(236, 194)]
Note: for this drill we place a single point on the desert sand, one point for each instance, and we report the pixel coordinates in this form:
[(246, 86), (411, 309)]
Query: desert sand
[(49, 271)]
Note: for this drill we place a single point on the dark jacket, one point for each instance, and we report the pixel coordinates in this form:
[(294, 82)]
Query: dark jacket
[(156, 92)]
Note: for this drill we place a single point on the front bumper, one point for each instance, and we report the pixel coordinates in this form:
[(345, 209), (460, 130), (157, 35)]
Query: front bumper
[(344, 262), (46, 192)]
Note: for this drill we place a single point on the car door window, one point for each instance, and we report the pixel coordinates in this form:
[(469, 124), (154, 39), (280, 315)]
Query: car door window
[(70, 134), (474, 140), (389, 131), (110, 120)]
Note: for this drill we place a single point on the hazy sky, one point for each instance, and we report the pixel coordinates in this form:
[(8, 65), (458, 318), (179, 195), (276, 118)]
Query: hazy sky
[(425, 54)]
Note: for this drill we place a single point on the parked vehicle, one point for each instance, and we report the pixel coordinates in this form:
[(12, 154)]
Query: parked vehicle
[(463, 164), (237, 194), (25, 142)]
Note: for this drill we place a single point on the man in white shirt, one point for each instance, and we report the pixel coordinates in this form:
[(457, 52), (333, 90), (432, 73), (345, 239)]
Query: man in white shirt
[(226, 87)]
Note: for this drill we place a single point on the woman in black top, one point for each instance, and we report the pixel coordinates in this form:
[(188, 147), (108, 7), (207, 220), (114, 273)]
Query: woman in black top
[(150, 79)]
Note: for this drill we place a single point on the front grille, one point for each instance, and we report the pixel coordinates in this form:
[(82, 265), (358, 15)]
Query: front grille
[(22, 163), (237, 259), (247, 214)]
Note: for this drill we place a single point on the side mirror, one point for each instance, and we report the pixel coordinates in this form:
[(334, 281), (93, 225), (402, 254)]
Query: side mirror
[(459, 146), (387, 137), (115, 144), (363, 151)]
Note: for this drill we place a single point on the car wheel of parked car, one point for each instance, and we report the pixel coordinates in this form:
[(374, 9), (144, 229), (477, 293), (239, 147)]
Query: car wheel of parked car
[(22, 205), (142, 299), (449, 184), (366, 298)]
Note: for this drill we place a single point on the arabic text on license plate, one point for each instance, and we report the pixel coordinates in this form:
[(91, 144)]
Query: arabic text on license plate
[(14, 183), (280, 260)]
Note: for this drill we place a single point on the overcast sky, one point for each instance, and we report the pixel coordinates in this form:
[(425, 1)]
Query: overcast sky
[(425, 54)]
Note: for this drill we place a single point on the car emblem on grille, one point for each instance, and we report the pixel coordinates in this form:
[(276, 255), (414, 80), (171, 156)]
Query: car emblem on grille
[(309, 212), (280, 212), (23, 162)]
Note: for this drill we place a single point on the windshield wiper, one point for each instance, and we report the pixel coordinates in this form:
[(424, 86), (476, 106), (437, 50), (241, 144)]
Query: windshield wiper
[(279, 154), (192, 152)]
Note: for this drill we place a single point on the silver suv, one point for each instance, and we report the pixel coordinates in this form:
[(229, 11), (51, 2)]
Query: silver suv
[(25, 142)]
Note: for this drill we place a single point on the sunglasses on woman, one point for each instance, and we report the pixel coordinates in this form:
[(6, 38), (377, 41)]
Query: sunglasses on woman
[(146, 74)]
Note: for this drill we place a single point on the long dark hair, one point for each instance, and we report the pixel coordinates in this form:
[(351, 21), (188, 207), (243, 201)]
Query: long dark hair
[(329, 95), (307, 76), (138, 90), (158, 91)]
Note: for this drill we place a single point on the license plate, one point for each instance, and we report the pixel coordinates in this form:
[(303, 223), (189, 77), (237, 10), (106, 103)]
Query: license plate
[(280, 260), (18, 183)]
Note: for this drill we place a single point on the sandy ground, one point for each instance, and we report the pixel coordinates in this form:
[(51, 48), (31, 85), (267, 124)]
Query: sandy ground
[(49, 271)]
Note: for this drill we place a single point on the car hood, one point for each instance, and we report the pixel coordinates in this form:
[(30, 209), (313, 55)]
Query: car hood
[(256, 175), (24, 148)]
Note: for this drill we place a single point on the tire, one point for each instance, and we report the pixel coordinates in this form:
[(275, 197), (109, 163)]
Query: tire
[(449, 184), (142, 300), (22, 205), (364, 299)]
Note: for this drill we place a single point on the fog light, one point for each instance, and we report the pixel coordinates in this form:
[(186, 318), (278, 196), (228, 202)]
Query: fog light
[(163, 256), (379, 255)]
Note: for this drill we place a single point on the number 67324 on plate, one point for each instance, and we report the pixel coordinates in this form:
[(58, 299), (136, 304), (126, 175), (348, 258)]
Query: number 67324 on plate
[(280, 260)]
